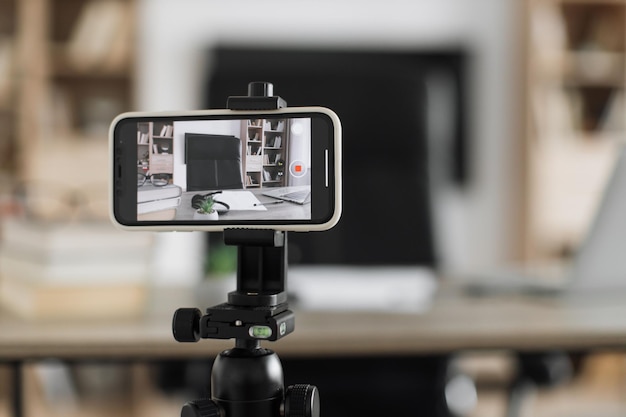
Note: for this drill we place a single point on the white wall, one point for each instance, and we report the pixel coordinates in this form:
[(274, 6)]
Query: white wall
[(300, 149), (474, 224)]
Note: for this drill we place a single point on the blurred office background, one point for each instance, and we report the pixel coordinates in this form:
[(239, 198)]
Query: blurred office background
[(481, 132)]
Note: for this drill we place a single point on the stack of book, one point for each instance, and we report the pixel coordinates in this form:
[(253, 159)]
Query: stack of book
[(73, 270), (158, 203)]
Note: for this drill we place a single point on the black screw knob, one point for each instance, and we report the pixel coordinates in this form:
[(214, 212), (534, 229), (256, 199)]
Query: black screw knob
[(186, 324), (302, 400), (200, 408), (260, 89)]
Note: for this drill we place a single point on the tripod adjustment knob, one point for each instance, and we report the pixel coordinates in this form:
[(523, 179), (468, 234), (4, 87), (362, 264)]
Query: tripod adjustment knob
[(200, 408), (186, 324), (302, 400)]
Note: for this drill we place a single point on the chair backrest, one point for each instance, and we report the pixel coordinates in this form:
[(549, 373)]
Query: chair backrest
[(213, 162)]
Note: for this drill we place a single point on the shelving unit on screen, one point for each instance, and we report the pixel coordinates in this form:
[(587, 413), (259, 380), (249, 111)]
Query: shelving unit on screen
[(265, 153), (155, 147)]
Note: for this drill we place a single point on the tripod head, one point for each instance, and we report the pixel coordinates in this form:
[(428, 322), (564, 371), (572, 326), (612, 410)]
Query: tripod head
[(247, 381)]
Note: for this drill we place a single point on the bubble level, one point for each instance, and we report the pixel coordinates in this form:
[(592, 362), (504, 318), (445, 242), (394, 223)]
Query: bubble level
[(260, 332)]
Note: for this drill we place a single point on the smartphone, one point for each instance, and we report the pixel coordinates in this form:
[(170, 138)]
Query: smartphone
[(218, 169)]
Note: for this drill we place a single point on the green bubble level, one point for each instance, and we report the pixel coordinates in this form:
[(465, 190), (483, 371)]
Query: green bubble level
[(260, 332)]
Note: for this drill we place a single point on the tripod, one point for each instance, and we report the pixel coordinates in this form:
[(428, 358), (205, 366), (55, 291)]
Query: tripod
[(247, 380)]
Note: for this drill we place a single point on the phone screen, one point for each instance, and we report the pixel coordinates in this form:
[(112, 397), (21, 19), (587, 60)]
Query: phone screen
[(225, 169)]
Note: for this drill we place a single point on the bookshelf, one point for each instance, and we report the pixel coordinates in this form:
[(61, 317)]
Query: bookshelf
[(575, 116), (74, 65), (154, 148), (265, 152)]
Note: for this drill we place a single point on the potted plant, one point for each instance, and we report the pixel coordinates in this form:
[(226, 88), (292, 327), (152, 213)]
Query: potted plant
[(206, 209)]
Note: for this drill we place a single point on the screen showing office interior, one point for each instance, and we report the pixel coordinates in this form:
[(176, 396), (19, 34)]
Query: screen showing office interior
[(252, 169)]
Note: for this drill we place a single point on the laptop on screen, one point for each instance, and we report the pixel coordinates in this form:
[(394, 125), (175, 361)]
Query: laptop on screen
[(294, 194)]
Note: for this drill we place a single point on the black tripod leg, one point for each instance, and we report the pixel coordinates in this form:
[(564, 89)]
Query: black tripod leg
[(520, 392), (18, 387), (538, 369)]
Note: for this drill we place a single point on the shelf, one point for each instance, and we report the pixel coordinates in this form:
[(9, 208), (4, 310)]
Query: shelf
[(575, 106), (156, 160), (8, 62), (7, 17), (257, 138), (75, 61), (62, 67), (594, 68)]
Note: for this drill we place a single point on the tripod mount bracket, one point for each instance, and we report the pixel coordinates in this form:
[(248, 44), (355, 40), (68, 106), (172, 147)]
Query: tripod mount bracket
[(226, 321)]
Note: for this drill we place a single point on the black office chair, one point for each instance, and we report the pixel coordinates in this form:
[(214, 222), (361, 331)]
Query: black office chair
[(213, 162)]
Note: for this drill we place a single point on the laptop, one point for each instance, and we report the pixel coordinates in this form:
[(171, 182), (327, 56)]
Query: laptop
[(295, 194), (599, 265)]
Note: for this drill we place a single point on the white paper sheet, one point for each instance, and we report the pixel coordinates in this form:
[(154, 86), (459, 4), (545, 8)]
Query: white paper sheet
[(240, 200)]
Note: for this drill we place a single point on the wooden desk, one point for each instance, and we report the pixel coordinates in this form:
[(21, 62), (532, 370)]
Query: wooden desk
[(454, 323)]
